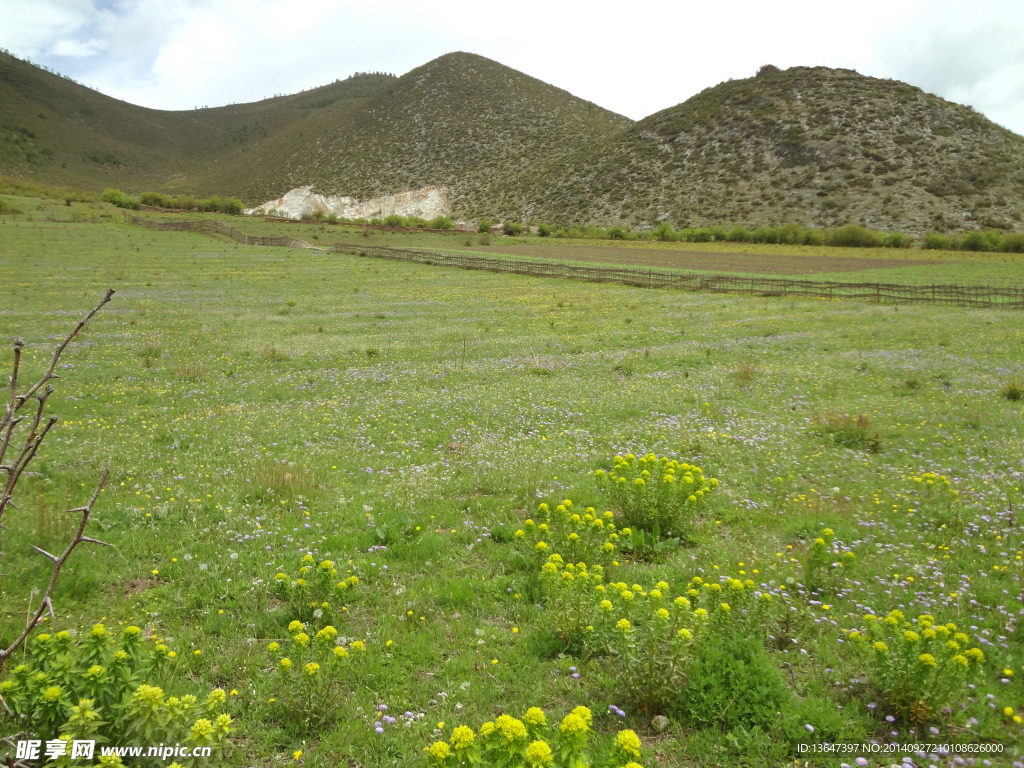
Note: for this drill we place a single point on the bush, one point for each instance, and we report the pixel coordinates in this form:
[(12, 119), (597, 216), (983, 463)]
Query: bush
[(513, 228), (377, 222), (315, 587), (212, 204), (917, 666), (732, 681), (1012, 243), (981, 241), (105, 688), (484, 226), (935, 241), (897, 240), (156, 200), (118, 198), (738, 234), (312, 676), (650, 495), (544, 230), (854, 236), (1013, 390), (508, 742), (441, 222), (665, 233), (815, 237), (851, 431), (232, 206), (394, 220), (618, 233), (415, 221)]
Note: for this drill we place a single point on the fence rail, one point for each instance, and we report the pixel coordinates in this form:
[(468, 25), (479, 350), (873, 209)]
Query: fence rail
[(1005, 296)]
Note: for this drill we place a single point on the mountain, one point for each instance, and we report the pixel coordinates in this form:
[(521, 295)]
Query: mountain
[(815, 146), (460, 121), (57, 131)]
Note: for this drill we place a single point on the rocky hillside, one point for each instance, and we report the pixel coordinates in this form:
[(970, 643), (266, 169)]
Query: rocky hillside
[(815, 146)]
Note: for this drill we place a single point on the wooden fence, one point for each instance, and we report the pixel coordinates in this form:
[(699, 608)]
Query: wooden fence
[(1009, 295)]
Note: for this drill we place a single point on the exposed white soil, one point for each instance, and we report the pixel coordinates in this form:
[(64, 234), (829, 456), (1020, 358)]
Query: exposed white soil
[(301, 202)]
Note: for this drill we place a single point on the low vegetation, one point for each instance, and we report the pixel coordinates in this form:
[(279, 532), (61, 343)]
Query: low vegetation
[(395, 532)]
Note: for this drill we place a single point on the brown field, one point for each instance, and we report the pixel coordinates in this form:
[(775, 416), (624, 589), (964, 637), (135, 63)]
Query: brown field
[(705, 261)]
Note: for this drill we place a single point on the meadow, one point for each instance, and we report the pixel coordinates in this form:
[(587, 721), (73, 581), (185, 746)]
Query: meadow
[(280, 422)]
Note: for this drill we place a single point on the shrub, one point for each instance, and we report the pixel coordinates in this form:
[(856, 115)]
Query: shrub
[(212, 204), (981, 241), (315, 589), (415, 221), (394, 220), (917, 666), (484, 226), (544, 230), (232, 206), (738, 234), (934, 241), (1012, 243), (589, 537), (118, 198), (317, 215), (655, 493), (311, 676), (897, 240), (665, 233), (731, 681), (854, 236), (1013, 390), (485, 239), (111, 690), (815, 237), (508, 742), (618, 233), (851, 431), (650, 633), (513, 228), (156, 200), (767, 69), (441, 222)]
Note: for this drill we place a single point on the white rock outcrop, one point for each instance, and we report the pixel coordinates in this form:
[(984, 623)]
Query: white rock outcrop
[(302, 202)]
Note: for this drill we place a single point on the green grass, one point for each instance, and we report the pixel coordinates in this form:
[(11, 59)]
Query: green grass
[(242, 436)]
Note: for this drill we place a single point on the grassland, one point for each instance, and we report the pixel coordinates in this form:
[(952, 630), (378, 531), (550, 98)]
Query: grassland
[(259, 404)]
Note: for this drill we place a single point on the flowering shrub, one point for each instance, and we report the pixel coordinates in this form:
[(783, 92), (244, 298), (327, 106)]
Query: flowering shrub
[(824, 557), (651, 632), (532, 742), (315, 590), (656, 493), (312, 674), (569, 592), (102, 688), (918, 666), (589, 537)]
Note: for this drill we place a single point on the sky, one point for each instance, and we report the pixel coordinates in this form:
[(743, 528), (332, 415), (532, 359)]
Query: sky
[(634, 58)]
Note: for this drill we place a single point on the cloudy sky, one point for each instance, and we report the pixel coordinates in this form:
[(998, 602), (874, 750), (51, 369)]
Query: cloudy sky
[(634, 57)]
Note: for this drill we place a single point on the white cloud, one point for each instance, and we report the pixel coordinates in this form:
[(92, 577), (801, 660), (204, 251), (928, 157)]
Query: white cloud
[(77, 49), (634, 58)]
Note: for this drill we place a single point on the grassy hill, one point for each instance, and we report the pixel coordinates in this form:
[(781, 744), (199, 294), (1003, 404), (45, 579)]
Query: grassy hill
[(57, 131), (462, 121), (815, 146)]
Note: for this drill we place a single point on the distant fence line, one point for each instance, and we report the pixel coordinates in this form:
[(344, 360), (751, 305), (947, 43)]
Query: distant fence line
[(1008, 296)]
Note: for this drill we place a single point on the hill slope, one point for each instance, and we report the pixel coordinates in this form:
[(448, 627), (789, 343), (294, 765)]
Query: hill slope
[(57, 131), (815, 146), (461, 121)]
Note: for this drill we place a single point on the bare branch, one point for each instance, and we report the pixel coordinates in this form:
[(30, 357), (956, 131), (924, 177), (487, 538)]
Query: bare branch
[(46, 603), (60, 350), (34, 435)]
